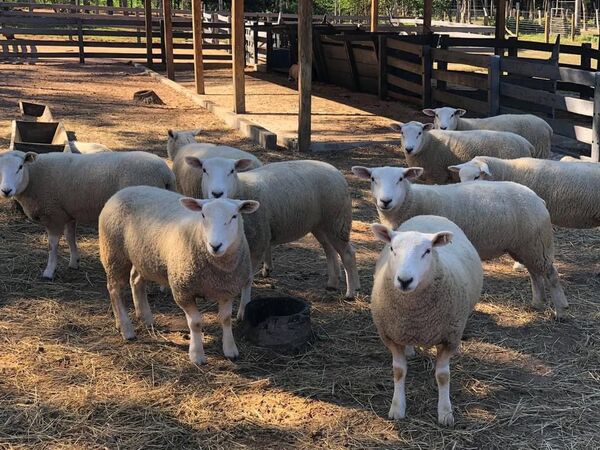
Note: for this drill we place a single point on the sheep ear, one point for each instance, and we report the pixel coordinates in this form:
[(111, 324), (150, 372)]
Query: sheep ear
[(362, 172), (456, 168), (192, 204), (427, 126), (30, 157), (396, 127), (248, 206), (171, 134), (194, 162), (197, 131), (485, 169), (429, 112), (382, 232), (242, 165), (412, 173), (460, 112), (441, 238)]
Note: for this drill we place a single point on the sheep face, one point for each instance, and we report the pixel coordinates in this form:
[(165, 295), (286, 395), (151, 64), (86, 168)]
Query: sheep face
[(445, 118), (472, 170), (14, 173), (221, 222), (177, 139), (219, 175), (411, 264), (388, 184), (412, 136)]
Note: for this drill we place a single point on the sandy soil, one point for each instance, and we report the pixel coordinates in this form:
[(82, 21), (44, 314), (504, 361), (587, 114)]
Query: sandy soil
[(67, 380)]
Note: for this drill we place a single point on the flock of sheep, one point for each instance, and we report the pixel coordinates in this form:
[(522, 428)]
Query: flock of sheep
[(207, 226)]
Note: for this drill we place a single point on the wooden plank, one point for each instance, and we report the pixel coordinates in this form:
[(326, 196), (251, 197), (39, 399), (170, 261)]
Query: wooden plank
[(567, 128), (493, 82), (405, 98), (427, 69), (459, 101), (305, 14), (364, 56), (596, 121), (577, 76), (80, 43), (148, 30), (404, 84), (334, 51), (353, 69), (557, 101), (374, 15), (456, 57), (168, 39), (427, 10), (530, 69), (415, 49), (239, 56), (198, 60), (382, 81), (398, 63), (500, 31), (461, 79), (367, 70)]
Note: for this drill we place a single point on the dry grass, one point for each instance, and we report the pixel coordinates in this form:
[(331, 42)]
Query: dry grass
[(67, 380)]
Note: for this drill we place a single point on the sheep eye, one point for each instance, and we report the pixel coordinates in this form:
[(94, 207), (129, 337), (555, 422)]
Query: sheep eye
[(231, 172), (373, 179), (203, 216), (427, 252), (20, 167), (420, 133), (477, 177), (203, 170), (234, 217), (400, 179)]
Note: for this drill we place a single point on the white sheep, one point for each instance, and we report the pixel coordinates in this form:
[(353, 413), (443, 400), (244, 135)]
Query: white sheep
[(177, 139), (85, 148), (432, 149), (423, 293), (197, 247), (497, 218), (571, 190), (60, 190), (535, 129), (293, 72), (297, 198)]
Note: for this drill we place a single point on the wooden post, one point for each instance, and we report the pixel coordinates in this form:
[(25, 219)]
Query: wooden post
[(255, 41), (427, 65), (427, 10), (80, 41), (573, 28), (442, 65), (305, 70), (148, 23), (239, 55), (197, 34), (513, 47), (596, 121), (501, 19), (547, 27), (269, 46), (374, 15), (382, 81), (168, 38), (494, 86), (517, 19)]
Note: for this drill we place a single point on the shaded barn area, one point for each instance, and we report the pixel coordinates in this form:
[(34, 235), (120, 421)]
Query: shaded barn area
[(68, 379)]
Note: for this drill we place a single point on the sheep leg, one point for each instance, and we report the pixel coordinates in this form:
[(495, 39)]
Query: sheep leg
[(442, 376), (347, 253), (194, 320), (400, 367), (333, 263), (229, 348), (122, 320), (244, 300), (537, 290), (267, 265), (140, 298), (556, 291), (53, 240), (70, 234)]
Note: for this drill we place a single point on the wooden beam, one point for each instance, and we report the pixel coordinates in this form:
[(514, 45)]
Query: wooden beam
[(374, 15), (427, 10), (239, 55), (501, 19), (596, 122), (305, 45), (168, 37), (197, 32), (148, 23)]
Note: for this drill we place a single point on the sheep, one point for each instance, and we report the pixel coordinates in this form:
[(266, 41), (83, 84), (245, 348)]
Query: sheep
[(571, 190), (177, 139), (297, 198), (435, 150), (423, 293), (535, 129), (197, 247), (497, 218), (60, 190), (85, 148), (293, 72)]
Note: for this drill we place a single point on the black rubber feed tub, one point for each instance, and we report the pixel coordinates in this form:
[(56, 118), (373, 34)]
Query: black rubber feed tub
[(278, 323)]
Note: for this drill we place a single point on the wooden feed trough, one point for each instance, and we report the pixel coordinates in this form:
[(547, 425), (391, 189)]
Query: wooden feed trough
[(279, 323), (35, 112), (39, 137)]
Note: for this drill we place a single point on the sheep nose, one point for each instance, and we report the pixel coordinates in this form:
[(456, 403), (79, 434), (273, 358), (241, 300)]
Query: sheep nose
[(385, 203), (409, 150), (404, 284), (216, 194), (6, 191), (218, 246), (443, 128)]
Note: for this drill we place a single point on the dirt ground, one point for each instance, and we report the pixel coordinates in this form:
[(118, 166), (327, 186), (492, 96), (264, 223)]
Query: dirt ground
[(67, 380)]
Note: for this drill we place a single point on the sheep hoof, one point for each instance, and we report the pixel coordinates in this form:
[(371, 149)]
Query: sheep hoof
[(128, 335), (538, 304), (198, 359), (561, 315), (396, 413), (446, 419), (46, 278)]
